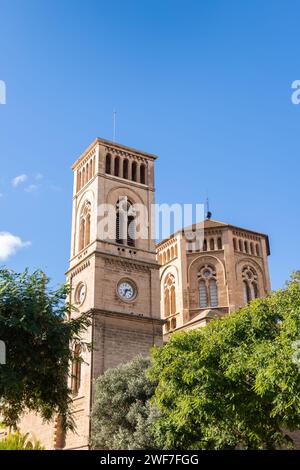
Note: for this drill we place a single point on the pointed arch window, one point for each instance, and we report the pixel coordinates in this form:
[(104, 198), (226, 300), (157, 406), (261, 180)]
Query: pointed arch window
[(208, 289), (212, 244), (85, 226), (250, 284), (169, 295), (219, 243)]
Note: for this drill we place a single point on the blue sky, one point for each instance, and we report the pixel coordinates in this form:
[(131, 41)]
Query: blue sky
[(204, 84)]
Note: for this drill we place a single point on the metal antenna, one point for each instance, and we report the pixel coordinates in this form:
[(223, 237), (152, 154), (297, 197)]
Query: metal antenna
[(114, 125), (208, 213)]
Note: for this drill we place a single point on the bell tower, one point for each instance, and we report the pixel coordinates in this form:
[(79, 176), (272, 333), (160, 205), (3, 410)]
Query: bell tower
[(113, 270)]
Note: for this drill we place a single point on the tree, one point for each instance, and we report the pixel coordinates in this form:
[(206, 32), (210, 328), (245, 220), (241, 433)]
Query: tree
[(35, 328), (19, 441), (121, 414), (235, 382)]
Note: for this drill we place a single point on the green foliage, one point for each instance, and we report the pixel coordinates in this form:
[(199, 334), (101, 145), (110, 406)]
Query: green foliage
[(37, 336), (235, 382), (121, 415), (19, 441)]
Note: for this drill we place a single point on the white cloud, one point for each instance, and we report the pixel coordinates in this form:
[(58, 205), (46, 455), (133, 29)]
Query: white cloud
[(31, 188), (19, 180), (9, 244)]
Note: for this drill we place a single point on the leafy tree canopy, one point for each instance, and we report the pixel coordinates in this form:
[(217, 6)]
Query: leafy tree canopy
[(235, 382), (121, 415), (37, 335)]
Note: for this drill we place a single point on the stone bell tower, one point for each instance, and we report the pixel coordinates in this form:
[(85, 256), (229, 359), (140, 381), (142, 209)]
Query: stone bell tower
[(113, 271)]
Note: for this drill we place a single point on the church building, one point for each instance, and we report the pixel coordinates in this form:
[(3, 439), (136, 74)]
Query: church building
[(139, 292)]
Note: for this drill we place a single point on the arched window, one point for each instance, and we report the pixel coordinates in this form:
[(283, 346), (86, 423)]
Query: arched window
[(212, 244), (76, 370), (90, 170), (173, 323), (133, 171), (125, 168), (83, 177), (164, 257), (108, 164), (250, 284), (246, 246), (168, 255), (208, 290), (93, 162), (85, 225), (234, 244), (251, 248), (160, 259), (169, 295), (172, 252), (143, 174), (220, 246), (125, 222), (257, 249), (204, 248), (240, 245)]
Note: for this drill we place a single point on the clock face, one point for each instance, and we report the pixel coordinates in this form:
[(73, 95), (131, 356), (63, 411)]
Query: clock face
[(81, 293), (126, 290)]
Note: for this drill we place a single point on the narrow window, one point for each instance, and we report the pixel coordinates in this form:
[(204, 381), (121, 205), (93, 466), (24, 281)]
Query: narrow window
[(81, 234), (240, 245), (117, 166), (246, 246), (220, 243), (90, 170), (125, 168), (213, 293), (257, 250), (87, 230), (202, 294), (143, 174), (212, 244), (173, 300), (204, 245), (131, 231), (247, 293), (251, 248), (78, 180), (234, 244), (167, 303), (133, 171), (83, 177), (108, 164)]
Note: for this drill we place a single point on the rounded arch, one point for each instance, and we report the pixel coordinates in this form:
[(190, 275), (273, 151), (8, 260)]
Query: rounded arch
[(209, 259), (247, 261), (115, 193)]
